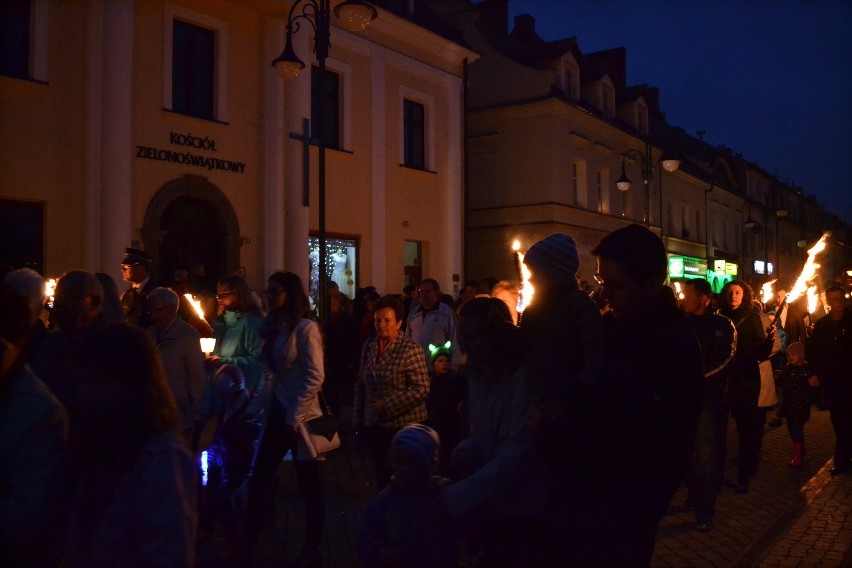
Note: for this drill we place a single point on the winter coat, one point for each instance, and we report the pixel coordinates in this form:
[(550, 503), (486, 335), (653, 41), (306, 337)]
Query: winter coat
[(796, 403), (504, 471), (183, 365), (295, 357), (563, 339), (398, 378), (829, 351), (753, 346), (238, 342)]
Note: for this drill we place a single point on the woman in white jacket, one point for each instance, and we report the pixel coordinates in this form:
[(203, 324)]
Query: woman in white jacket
[(293, 352)]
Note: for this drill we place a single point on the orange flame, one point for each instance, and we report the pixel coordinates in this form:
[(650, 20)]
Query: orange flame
[(678, 290), (809, 271), (50, 289), (527, 289), (196, 305), (813, 299), (767, 292)]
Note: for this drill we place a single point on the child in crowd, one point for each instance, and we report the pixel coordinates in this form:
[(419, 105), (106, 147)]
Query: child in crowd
[(395, 528), (795, 380), (445, 404), (230, 454)]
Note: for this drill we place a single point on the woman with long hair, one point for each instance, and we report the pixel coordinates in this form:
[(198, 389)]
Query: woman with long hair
[(135, 482), (754, 344), (293, 352)]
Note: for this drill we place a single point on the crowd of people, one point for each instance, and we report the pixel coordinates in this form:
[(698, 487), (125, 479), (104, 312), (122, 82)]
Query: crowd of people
[(553, 436)]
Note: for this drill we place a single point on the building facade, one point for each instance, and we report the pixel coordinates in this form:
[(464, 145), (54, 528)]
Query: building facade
[(161, 125)]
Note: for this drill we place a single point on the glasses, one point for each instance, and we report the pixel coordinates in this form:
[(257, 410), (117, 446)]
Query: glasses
[(425, 290), (272, 291), (224, 295), (611, 285)]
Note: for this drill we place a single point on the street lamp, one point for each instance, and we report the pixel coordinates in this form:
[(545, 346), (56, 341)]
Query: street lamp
[(623, 183), (352, 15)]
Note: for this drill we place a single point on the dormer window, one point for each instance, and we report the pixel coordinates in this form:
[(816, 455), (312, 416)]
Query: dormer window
[(642, 117), (607, 100), (568, 77)]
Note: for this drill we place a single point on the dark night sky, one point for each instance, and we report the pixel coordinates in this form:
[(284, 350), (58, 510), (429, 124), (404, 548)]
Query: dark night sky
[(770, 79)]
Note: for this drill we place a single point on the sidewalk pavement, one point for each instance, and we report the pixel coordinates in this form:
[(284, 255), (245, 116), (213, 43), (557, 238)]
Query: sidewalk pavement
[(762, 528), (778, 523)]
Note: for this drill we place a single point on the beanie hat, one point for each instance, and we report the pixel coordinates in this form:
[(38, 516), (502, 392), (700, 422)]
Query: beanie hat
[(797, 348), (422, 441), (555, 256)]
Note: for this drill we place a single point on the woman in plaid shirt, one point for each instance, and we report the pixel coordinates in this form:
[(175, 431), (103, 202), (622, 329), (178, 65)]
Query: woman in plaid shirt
[(392, 385)]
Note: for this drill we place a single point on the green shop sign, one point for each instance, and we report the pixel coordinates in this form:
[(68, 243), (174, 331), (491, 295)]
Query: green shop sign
[(686, 267)]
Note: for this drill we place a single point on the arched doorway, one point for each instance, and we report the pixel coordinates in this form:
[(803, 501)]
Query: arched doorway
[(190, 222)]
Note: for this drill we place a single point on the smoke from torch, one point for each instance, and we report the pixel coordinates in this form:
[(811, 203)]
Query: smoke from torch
[(527, 290)]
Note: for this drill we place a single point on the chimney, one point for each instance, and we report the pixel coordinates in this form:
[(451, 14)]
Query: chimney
[(525, 29), (495, 14)]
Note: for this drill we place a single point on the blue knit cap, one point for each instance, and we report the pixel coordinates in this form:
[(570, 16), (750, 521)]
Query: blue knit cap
[(422, 441), (555, 256)]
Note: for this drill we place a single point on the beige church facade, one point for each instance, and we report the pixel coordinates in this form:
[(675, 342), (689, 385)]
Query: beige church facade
[(162, 125)]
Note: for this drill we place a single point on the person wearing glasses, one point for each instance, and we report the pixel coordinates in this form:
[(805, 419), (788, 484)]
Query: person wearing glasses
[(432, 321), (237, 331), (177, 343), (645, 408), (293, 351)]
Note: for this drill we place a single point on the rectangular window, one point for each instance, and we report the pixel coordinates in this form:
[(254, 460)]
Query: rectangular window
[(193, 70), (602, 191), (414, 134), (22, 234), (15, 38), (578, 184), (325, 100)]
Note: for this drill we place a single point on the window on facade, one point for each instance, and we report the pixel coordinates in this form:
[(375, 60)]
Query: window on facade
[(605, 100), (325, 99), (22, 234), (698, 227), (578, 184), (15, 38), (601, 188), (414, 133), (193, 70), (642, 119)]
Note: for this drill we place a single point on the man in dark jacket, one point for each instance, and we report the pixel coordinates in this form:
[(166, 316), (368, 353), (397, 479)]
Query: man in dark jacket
[(647, 405), (136, 269), (718, 339), (829, 351)]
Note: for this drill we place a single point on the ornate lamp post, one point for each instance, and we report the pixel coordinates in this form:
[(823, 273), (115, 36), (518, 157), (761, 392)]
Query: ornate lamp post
[(352, 15), (645, 159)]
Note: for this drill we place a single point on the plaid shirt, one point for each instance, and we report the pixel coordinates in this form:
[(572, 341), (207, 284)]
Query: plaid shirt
[(398, 378)]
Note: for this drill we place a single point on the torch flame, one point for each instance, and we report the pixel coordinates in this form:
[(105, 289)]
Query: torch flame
[(678, 290), (809, 270), (527, 289), (196, 305), (813, 299), (766, 292), (50, 289)]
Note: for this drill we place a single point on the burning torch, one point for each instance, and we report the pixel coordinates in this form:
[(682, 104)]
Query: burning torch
[(805, 277)]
